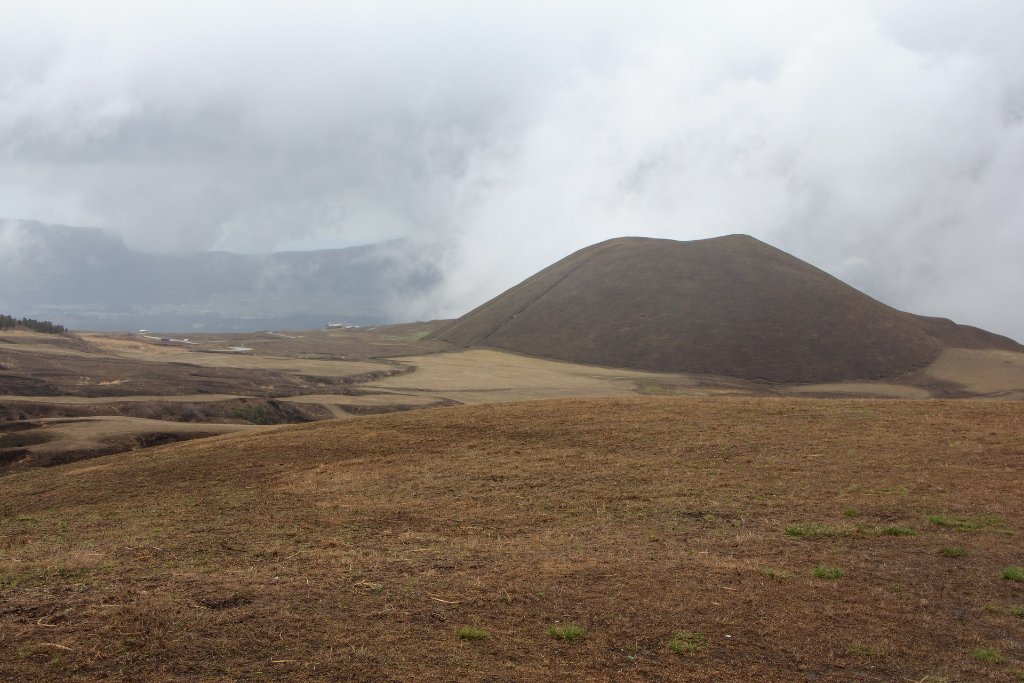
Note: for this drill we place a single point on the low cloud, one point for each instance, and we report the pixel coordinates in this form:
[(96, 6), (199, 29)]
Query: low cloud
[(881, 141)]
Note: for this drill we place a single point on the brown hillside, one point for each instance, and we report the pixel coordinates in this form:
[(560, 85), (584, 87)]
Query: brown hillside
[(355, 551), (724, 306)]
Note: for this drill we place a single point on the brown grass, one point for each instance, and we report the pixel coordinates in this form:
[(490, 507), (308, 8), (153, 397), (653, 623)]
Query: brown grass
[(133, 349), (486, 376), (54, 441), (988, 371), (355, 550), (871, 389)]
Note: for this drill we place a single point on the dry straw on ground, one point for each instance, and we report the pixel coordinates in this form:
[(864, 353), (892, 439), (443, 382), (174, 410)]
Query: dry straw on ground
[(356, 550)]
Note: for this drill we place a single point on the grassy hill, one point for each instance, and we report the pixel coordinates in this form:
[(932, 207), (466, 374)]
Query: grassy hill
[(685, 539), (725, 306)]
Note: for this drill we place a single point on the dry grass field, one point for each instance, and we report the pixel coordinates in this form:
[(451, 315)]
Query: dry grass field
[(989, 371), (133, 349), (178, 390), (867, 389), (488, 376), (613, 539), (55, 441), (288, 377)]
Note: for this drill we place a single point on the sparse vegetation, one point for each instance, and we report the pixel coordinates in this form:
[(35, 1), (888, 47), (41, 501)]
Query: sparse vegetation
[(953, 551), (567, 632), (256, 414), (362, 546), (687, 641), (1017, 610), (851, 512), (827, 573), (807, 530), (869, 650), (968, 522), (1013, 573), (988, 656), (773, 573), (43, 577), (192, 413), (22, 439), (812, 530), (471, 633)]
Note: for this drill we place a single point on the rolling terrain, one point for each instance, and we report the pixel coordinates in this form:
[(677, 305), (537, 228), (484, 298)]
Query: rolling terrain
[(609, 473), (70, 397), (625, 539), (730, 306), (152, 392)]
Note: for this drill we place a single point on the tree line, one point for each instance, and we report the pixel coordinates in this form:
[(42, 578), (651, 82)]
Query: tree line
[(8, 322)]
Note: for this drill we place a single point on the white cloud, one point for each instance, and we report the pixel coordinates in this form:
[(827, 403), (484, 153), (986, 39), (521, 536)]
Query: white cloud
[(882, 141)]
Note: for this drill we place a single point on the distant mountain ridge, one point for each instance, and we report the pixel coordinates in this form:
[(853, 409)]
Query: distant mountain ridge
[(729, 305), (86, 278)]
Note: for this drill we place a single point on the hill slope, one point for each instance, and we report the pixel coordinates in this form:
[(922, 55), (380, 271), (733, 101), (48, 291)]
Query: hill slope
[(725, 306), (355, 550)]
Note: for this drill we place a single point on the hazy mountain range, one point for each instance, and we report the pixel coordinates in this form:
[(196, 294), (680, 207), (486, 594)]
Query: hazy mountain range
[(86, 278)]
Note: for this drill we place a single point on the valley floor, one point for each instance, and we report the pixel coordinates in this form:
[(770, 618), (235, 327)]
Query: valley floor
[(222, 383)]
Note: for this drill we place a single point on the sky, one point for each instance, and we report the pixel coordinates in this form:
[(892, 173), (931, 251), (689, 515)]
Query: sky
[(881, 141)]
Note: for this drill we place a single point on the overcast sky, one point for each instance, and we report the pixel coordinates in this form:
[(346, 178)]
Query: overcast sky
[(882, 141)]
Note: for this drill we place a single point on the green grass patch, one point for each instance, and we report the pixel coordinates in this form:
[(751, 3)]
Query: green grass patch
[(1013, 573), (568, 632), (257, 415), (371, 586), (809, 530), (987, 655), (42, 577), (471, 633), (773, 573), (851, 512), (827, 573), (953, 551), (968, 522), (1017, 611), (866, 650), (687, 641), (895, 530)]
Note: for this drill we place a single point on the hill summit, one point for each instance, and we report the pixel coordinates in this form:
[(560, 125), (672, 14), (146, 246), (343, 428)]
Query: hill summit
[(729, 305)]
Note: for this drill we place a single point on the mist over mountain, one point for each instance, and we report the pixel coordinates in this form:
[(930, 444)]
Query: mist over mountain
[(880, 141), (89, 279)]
